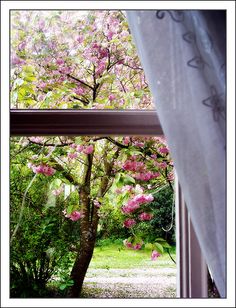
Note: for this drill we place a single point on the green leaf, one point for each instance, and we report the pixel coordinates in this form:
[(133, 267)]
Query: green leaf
[(63, 286), (165, 245), (159, 247), (149, 246), (160, 239), (127, 179)]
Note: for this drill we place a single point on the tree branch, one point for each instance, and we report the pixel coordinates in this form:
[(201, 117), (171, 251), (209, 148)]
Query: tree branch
[(80, 81), (117, 143)]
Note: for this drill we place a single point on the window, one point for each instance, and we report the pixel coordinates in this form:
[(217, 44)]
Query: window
[(92, 122)]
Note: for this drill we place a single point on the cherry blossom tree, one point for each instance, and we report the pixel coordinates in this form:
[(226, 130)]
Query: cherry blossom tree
[(75, 59)]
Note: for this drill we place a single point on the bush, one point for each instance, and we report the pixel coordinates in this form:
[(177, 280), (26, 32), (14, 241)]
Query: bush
[(44, 237)]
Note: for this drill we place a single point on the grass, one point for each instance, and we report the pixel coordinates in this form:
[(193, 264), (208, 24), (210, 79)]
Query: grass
[(108, 255)]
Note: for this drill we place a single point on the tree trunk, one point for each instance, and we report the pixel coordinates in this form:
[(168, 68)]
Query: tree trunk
[(81, 266), (88, 223)]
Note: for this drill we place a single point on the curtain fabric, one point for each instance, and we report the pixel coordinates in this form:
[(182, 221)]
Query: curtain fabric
[(183, 56)]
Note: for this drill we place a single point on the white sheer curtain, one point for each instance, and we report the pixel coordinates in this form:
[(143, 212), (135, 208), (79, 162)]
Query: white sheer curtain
[(183, 56)]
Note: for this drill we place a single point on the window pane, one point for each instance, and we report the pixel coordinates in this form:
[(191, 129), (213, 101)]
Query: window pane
[(75, 60), (117, 190)]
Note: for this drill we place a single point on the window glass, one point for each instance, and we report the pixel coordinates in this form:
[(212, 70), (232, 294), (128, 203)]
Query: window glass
[(75, 60), (121, 186)]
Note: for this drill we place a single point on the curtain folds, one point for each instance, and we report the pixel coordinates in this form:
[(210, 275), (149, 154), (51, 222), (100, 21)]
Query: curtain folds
[(183, 56)]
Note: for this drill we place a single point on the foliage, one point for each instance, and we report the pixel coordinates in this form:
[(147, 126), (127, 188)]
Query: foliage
[(43, 238)]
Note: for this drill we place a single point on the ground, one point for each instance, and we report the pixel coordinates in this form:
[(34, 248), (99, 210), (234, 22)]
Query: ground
[(130, 283)]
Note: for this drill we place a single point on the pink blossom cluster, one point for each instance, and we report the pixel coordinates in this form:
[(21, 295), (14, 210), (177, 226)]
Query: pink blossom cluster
[(137, 246), (126, 140), (170, 176), (163, 150), (15, 60), (162, 165), (134, 166), (37, 139), (42, 168), (22, 45), (79, 91), (111, 97), (100, 51), (88, 149), (129, 223), (147, 176), (155, 255), (72, 155), (139, 144), (135, 203), (145, 216), (74, 216), (80, 148)]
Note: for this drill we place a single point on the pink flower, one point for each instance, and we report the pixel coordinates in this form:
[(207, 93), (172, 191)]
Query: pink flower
[(72, 155), (162, 165), (66, 70), (127, 244), (137, 246), (42, 85), (73, 146), (163, 150), (145, 216), (111, 97), (17, 61), (75, 215), (110, 35), (103, 53), (43, 169), (88, 149), (80, 148), (121, 61), (37, 139), (146, 176), (80, 39), (155, 255), (126, 140), (134, 166), (101, 68), (79, 91), (139, 144), (171, 176), (129, 223), (41, 24), (22, 45), (60, 61)]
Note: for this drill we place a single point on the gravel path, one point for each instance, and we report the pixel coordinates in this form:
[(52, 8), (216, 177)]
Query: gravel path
[(134, 283)]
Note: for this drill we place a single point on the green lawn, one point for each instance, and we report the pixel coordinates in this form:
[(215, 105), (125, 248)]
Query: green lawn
[(114, 255)]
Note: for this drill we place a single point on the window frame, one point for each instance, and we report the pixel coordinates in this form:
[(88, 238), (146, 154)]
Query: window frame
[(191, 267)]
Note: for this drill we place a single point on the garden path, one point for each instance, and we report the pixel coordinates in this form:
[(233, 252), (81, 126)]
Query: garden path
[(130, 283)]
